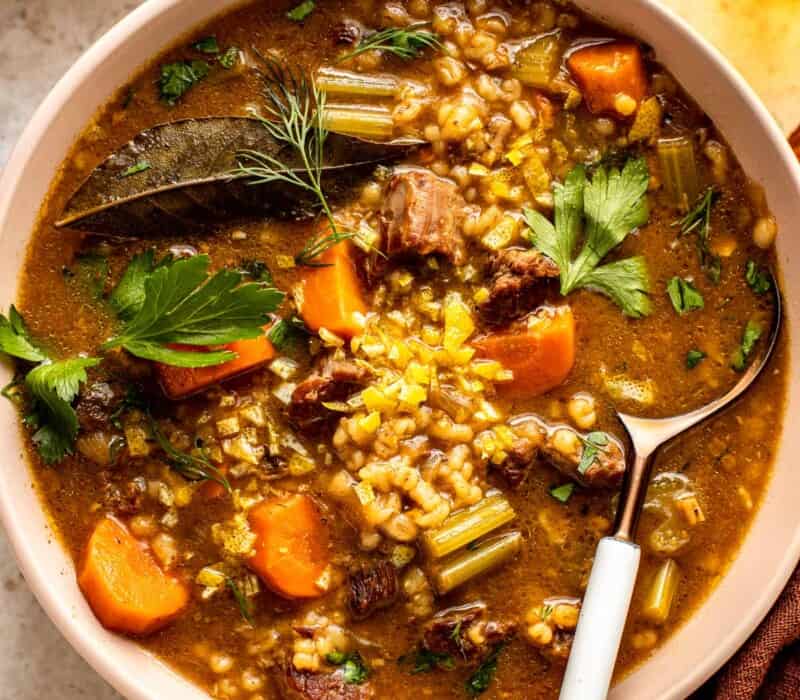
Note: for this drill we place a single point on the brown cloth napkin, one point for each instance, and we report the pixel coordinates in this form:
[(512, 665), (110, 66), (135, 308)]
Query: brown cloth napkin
[(767, 667)]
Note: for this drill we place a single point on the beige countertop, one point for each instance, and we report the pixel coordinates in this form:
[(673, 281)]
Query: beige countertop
[(40, 39)]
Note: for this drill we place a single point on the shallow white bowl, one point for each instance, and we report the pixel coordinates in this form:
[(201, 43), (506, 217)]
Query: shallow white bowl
[(773, 544)]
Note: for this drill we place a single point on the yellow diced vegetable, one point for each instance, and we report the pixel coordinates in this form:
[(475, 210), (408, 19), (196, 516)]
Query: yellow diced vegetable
[(376, 400), (458, 323), (299, 465), (364, 492), (502, 235), (662, 591), (370, 423), (647, 124)]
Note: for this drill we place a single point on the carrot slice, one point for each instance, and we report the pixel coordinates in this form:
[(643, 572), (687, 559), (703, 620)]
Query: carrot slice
[(609, 73), (331, 295), (291, 545), (123, 584), (540, 352), (180, 382)]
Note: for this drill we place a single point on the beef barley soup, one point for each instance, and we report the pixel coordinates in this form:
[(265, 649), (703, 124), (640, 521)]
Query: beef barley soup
[(321, 332)]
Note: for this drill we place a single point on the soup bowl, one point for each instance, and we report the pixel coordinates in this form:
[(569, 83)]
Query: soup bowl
[(770, 549)]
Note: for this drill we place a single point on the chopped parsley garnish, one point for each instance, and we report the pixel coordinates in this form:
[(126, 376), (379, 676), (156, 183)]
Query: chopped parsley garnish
[(182, 304), (257, 270), (694, 358), (562, 493), (241, 600), (424, 660), (177, 78), (684, 295), (750, 336), (288, 333), (15, 339), (354, 670), (404, 42), (230, 58), (758, 280), (127, 297), (606, 209), (139, 167), (593, 443), (208, 44), (699, 221), (481, 679), (301, 11)]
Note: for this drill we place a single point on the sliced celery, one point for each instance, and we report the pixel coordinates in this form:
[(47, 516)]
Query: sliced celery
[(365, 121), (537, 63), (471, 563), (662, 591), (679, 170), (468, 525), (342, 82)]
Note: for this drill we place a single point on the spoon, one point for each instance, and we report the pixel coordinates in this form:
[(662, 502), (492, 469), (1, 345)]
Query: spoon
[(616, 562)]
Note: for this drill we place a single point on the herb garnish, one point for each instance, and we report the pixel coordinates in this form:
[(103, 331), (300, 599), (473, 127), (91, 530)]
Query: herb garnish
[(562, 493), (139, 167), (191, 466), (127, 297), (230, 58), (404, 42), (608, 208), (241, 600), (593, 443), (481, 679), (354, 670), (758, 280), (288, 333), (184, 305), (424, 660), (694, 358), (699, 220), (257, 270), (752, 332), (303, 10), (177, 78), (684, 295), (208, 44), (317, 245), (15, 339)]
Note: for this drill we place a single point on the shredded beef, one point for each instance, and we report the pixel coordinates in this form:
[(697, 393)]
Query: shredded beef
[(447, 633), (303, 685), (97, 403), (521, 456), (519, 282), (372, 589), (333, 380), (421, 215)]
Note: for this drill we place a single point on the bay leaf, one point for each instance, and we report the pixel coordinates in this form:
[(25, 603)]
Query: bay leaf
[(175, 178)]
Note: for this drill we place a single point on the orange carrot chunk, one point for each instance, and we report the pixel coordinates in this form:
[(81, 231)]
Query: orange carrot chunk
[(611, 77), (331, 295), (180, 382), (291, 545), (123, 584), (539, 351)]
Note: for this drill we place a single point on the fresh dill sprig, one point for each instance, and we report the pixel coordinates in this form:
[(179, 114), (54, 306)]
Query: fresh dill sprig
[(241, 600), (699, 220), (404, 42), (317, 245)]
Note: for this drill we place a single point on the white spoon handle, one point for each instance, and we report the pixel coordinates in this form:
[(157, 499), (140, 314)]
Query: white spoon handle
[(602, 619)]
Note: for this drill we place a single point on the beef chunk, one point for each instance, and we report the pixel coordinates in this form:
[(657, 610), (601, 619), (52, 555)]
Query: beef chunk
[(606, 471), (463, 632), (121, 497), (519, 282), (372, 589), (421, 215), (521, 456), (97, 403), (348, 32), (303, 685), (333, 380)]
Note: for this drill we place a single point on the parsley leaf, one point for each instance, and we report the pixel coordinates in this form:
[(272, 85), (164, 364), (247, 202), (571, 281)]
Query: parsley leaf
[(303, 10), (53, 386), (593, 443), (684, 295), (230, 58), (694, 358), (699, 220), (241, 600), (127, 297), (208, 44), (481, 679), (606, 209), (15, 339), (750, 336), (139, 167), (758, 280), (424, 661), (354, 670), (287, 334), (257, 270), (177, 78), (183, 305), (562, 493)]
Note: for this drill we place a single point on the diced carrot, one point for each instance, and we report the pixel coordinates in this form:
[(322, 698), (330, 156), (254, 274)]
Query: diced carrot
[(331, 295), (212, 490), (291, 545), (180, 382), (611, 77), (540, 352), (123, 584)]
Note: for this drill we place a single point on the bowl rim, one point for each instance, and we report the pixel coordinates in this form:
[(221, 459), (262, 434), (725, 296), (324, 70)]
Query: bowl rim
[(35, 572)]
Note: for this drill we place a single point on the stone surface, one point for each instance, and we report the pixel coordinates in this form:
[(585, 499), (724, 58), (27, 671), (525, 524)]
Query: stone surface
[(40, 39)]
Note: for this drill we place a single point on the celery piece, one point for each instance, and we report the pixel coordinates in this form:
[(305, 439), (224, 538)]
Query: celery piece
[(341, 82), (471, 563), (363, 121), (679, 170), (662, 591), (537, 63)]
